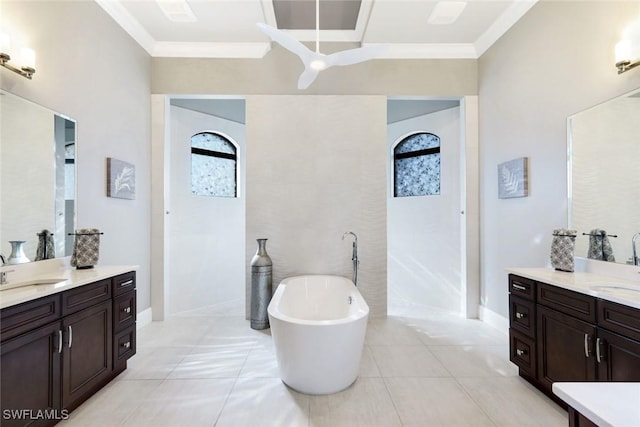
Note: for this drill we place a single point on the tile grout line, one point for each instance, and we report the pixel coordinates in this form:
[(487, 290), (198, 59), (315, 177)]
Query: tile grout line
[(235, 381)]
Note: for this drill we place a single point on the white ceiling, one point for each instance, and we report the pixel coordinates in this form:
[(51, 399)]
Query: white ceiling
[(227, 28)]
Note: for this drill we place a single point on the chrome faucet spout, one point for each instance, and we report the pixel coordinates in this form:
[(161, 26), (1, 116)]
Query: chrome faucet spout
[(634, 251), (354, 255)]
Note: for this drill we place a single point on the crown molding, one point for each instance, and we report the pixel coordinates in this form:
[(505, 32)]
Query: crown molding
[(210, 50), (427, 50), (257, 50), (502, 25), (131, 25)]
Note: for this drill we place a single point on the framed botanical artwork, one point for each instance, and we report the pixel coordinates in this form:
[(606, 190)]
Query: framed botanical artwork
[(121, 179), (513, 178)]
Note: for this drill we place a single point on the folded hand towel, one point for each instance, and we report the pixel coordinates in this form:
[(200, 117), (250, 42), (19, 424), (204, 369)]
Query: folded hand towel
[(46, 248), (86, 248), (599, 246), (562, 247)]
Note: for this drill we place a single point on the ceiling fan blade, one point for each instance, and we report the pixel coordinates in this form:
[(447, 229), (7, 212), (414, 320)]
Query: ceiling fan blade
[(355, 56), (307, 77), (286, 41)]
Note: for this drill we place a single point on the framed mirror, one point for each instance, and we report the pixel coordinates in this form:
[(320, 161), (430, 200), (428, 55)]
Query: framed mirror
[(604, 177), (37, 180)]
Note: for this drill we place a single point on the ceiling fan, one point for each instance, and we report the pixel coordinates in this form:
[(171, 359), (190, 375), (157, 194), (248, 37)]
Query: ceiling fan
[(314, 62)]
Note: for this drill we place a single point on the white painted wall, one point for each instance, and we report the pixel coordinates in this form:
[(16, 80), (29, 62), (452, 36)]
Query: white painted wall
[(424, 265), (89, 69), (317, 167), (206, 239), (557, 60)]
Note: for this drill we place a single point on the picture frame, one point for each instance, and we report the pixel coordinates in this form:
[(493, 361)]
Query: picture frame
[(121, 179), (513, 178)]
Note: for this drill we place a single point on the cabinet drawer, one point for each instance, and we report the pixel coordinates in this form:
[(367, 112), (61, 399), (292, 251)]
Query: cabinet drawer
[(619, 318), (522, 315), (568, 302), (85, 296), (24, 317), (124, 345), (522, 352), (522, 287), (124, 310), (124, 283)]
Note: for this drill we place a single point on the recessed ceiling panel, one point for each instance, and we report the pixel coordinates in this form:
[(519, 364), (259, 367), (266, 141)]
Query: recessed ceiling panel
[(301, 14), (406, 21), (216, 21), (227, 28)]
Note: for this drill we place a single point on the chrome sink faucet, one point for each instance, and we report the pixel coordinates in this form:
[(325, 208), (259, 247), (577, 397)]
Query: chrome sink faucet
[(634, 252), (354, 255)]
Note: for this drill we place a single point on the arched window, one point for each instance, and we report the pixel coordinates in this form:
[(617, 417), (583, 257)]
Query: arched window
[(213, 165), (416, 164)]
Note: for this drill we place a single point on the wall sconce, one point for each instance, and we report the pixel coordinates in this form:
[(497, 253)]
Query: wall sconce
[(623, 57), (27, 58)]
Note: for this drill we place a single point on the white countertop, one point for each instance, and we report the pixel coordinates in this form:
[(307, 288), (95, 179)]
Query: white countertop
[(627, 292), (70, 278), (607, 404)]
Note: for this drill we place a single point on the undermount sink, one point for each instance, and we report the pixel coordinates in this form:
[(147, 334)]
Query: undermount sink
[(34, 282)]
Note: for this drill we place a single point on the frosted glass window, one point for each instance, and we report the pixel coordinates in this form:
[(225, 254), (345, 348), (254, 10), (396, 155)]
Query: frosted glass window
[(213, 165), (416, 164)]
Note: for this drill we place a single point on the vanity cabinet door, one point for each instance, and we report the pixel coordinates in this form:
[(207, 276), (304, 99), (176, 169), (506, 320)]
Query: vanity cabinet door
[(566, 348), (30, 377), (87, 356), (619, 357)]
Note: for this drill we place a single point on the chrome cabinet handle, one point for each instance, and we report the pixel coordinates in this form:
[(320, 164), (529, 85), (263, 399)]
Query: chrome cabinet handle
[(586, 345), (520, 315), (126, 344), (518, 287), (598, 354), (127, 310), (59, 340), (127, 283), (70, 330), (520, 352)]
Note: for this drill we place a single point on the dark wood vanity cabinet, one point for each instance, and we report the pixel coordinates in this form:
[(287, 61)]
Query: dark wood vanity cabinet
[(565, 348), (124, 319), (58, 350), (30, 367), (561, 335)]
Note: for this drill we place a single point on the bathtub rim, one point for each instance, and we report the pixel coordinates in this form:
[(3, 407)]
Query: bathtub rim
[(360, 313)]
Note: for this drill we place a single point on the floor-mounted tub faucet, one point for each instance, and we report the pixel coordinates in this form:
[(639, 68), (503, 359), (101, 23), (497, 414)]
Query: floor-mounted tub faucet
[(354, 255)]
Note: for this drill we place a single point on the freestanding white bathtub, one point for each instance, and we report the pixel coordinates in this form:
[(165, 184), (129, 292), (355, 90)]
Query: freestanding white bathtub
[(318, 324)]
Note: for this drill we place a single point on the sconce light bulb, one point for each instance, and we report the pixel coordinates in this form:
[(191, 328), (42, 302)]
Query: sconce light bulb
[(5, 43), (28, 58), (623, 51)]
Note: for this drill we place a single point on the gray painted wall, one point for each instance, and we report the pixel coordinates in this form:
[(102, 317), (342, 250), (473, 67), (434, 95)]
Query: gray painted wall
[(557, 60), (316, 168), (278, 72), (88, 68)]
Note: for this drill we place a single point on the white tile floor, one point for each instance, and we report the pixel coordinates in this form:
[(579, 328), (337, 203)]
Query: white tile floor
[(438, 370)]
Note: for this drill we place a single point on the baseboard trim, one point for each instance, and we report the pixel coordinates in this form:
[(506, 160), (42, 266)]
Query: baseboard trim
[(144, 318), (494, 319)]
